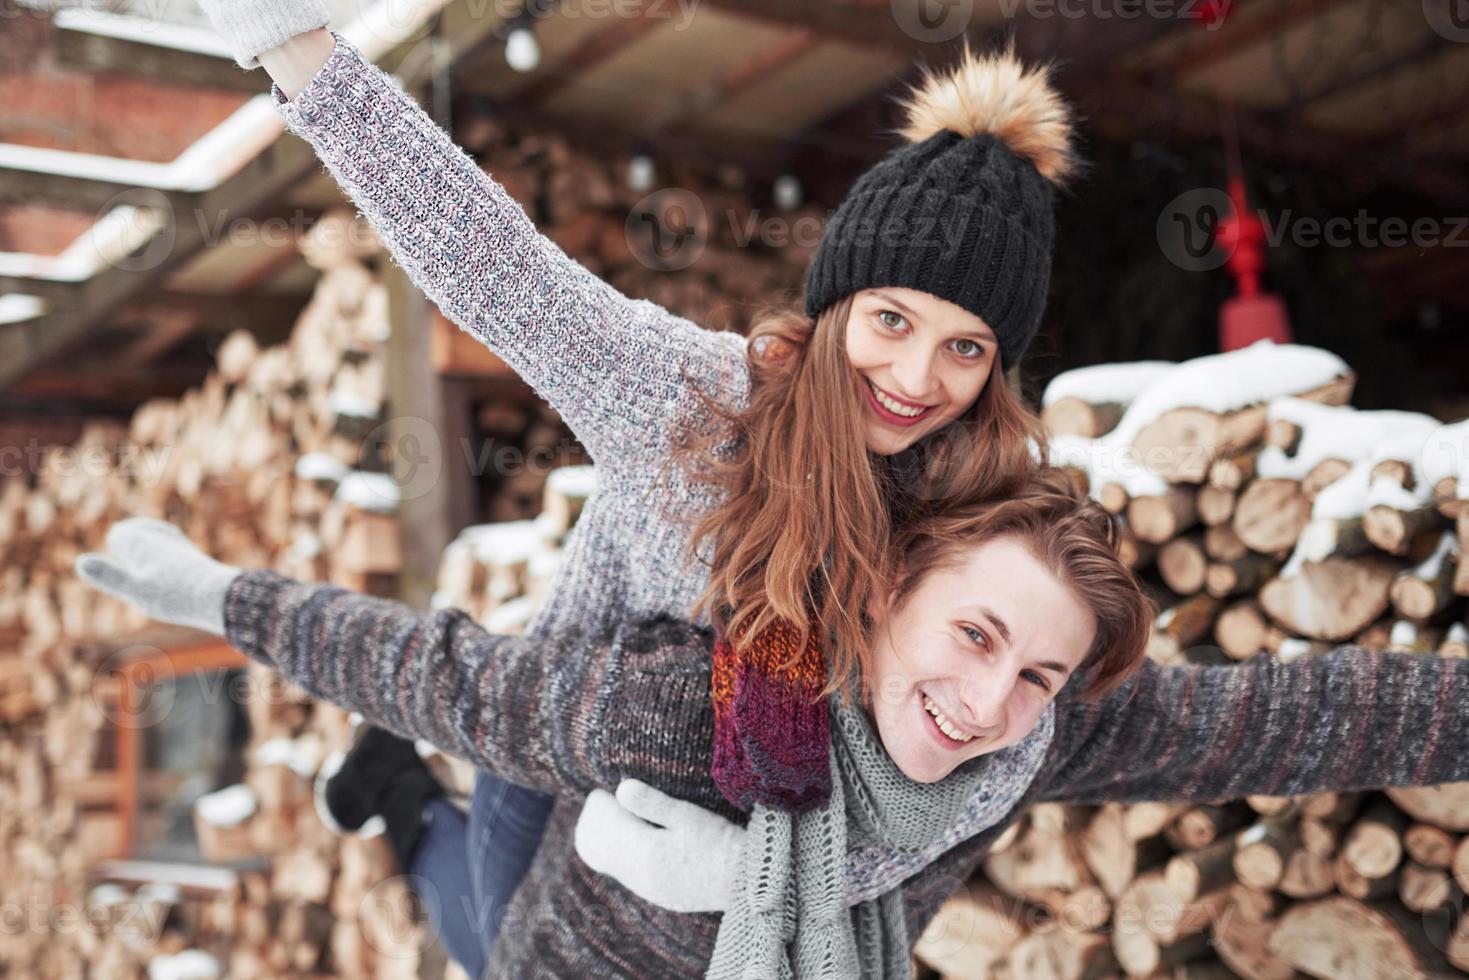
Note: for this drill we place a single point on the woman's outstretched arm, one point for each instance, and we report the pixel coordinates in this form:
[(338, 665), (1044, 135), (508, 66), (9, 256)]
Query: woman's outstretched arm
[(617, 369), (1351, 719)]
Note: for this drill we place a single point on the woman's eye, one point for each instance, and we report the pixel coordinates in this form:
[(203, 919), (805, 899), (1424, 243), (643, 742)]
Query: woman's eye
[(897, 319), (968, 349)]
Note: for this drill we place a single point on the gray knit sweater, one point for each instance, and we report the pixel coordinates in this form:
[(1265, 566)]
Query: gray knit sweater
[(617, 369), (583, 710)]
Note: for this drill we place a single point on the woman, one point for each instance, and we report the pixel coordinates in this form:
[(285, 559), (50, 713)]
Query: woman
[(889, 394), (1005, 614)]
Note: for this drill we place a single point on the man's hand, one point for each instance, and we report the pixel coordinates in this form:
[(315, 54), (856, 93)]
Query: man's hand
[(669, 852), (154, 566)]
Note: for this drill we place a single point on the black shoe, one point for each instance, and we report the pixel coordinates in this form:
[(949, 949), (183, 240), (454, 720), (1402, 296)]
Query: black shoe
[(401, 806), (379, 785)]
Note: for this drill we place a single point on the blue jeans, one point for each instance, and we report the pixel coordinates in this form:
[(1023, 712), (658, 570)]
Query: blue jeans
[(466, 871)]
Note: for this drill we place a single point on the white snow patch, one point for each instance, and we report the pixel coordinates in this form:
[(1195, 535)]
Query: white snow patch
[(512, 616), (228, 807), (505, 543), (573, 481), (1429, 567), (1291, 648), (1217, 382), (1344, 433), (1232, 380), (1100, 383), (321, 466), (294, 754), (191, 964), (305, 544), (369, 491), (352, 405)]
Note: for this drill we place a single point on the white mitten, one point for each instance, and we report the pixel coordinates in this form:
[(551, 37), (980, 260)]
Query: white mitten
[(672, 853), (158, 569), (252, 26)]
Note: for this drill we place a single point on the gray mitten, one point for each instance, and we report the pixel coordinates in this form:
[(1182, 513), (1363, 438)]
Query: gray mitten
[(154, 566), (252, 26), (670, 852)]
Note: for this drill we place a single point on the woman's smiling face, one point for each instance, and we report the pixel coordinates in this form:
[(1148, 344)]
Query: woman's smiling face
[(923, 362), (985, 642)]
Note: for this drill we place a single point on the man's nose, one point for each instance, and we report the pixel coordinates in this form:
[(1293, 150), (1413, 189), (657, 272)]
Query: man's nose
[(983, 698)]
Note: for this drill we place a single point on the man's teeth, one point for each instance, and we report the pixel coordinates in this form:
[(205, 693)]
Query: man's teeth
[(943, 722), (897, 408)]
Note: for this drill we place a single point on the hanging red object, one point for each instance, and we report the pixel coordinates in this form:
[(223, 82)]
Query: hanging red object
[(1250, 314)]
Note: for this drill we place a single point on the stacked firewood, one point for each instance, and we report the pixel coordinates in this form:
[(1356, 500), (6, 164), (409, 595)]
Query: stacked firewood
[(1269, 519), (277, 460)]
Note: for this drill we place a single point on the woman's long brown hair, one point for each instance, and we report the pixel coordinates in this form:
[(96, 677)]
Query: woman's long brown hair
[(805, 529)]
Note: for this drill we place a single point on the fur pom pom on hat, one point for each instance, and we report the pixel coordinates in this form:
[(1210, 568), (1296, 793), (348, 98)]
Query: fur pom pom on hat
[(964, 210), (998, 95)]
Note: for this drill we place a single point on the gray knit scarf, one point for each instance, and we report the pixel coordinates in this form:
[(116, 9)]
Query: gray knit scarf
[(789, 917)]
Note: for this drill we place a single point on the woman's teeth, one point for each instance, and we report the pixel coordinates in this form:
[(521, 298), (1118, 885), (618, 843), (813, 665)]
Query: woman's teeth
[(943, 722), (897, 408)]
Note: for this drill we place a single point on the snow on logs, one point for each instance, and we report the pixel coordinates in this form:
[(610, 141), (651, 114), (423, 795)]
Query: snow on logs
[(1274, 520)]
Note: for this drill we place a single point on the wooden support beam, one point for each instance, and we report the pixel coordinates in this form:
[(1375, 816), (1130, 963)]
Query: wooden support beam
[(89, 51), (255, 186), (421, 440)]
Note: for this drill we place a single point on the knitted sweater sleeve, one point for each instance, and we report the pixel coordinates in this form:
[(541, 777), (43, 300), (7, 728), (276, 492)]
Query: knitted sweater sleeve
[(1351, 719), (563, 714), (619, 370)]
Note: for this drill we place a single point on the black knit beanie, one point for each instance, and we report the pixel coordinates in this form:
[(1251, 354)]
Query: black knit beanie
[(965, 210)]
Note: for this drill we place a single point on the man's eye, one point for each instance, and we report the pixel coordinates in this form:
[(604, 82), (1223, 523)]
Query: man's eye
[(1036, 679)]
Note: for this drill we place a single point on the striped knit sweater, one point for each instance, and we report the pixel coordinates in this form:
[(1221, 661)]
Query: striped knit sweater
[(586, 710)]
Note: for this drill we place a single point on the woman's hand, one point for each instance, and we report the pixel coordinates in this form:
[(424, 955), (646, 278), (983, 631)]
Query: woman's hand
[(253, 27), (669, 852), (158, 569)]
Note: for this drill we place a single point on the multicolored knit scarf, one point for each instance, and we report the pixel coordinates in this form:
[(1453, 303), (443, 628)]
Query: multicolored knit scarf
[(771, 736)]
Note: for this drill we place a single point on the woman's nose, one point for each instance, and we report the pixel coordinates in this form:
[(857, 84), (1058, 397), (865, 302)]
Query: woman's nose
[(914, 375)]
